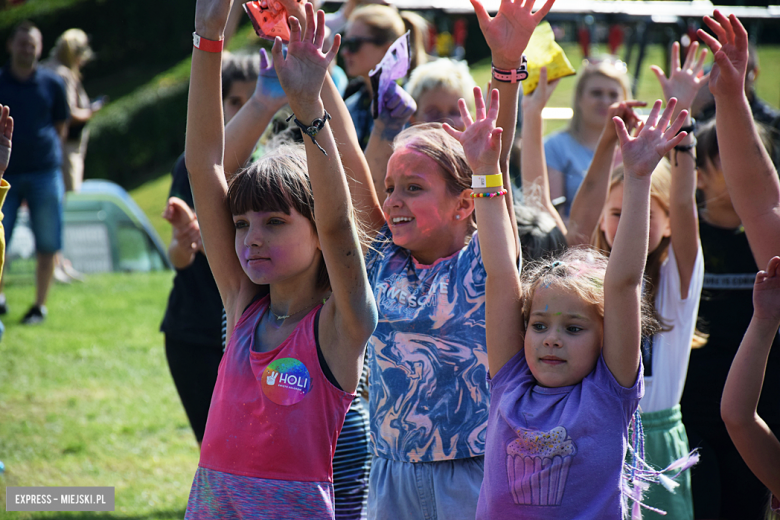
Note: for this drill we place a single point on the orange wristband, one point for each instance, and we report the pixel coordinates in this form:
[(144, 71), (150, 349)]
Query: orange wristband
[(206, 45)]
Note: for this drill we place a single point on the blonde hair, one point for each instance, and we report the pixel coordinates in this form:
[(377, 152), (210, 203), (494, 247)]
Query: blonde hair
[(579, 270), (605, 68), (661, 191), (71, 47), (386, 25), (431, 140), (442, 73)]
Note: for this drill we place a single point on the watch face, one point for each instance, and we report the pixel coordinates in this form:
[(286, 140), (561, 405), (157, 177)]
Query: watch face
[(268, 24)]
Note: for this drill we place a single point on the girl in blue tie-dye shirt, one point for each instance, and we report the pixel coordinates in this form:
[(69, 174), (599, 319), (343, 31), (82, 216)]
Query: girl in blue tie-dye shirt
[(427, 358)]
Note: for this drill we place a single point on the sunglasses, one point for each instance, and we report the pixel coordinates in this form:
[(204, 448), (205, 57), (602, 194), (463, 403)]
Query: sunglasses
[(353, 45)]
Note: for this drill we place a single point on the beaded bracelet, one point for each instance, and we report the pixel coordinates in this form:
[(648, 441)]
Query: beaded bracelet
[(489, 195)]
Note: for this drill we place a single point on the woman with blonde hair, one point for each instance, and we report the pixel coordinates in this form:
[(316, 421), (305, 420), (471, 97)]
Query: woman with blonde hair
[(570, 151), (69, 54)]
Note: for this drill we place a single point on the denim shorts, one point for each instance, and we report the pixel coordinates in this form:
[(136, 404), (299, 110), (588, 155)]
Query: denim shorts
[(44, 193), (443, 490)]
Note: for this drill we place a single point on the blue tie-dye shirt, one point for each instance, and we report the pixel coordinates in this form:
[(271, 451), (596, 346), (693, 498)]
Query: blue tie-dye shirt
[(427, 357)]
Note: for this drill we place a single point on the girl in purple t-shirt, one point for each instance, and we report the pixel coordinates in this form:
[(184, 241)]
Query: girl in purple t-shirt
[(563, 344)]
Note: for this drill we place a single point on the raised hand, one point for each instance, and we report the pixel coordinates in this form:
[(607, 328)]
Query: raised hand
[(303, 71), (396, 110), (507, 33), (178, 213), (6, 132), (538, 99), (625, 111), (642, 153), (211, 17), (766, 292), (683, 82), (268, 90), (481, 139), (727, 77)]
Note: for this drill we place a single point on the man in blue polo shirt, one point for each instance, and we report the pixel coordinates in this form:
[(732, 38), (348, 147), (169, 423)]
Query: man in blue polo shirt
[(40, 107)]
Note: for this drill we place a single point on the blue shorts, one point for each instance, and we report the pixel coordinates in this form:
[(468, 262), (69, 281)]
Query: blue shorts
[(44, 193), (444, 490)]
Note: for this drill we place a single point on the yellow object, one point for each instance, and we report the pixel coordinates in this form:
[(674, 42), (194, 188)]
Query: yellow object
[(542, 51), (4, 186), (487, 181)]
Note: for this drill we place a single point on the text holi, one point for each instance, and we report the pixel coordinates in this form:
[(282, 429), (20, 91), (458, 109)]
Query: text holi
[(287, 380)]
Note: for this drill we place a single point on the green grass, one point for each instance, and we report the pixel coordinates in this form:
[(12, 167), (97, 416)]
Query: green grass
[(87, 398)]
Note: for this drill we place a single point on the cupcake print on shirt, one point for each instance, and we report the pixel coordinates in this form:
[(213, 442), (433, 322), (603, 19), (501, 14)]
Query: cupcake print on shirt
[(538, 464)]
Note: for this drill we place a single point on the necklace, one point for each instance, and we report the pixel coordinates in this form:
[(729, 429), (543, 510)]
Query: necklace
[(286, 316)]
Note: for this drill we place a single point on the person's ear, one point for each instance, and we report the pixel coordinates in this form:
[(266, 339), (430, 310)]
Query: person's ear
[(465, 206)]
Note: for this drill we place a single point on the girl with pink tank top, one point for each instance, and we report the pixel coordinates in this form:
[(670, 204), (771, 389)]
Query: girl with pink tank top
[(295, 352)]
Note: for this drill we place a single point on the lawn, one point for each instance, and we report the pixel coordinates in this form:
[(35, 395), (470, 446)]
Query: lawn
[(86, 398)]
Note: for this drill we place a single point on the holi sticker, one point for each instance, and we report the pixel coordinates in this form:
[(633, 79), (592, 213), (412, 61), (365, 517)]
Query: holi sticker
[(286, 381)]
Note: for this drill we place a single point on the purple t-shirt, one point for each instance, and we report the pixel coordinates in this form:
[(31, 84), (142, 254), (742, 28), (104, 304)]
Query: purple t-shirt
[(556, 452)]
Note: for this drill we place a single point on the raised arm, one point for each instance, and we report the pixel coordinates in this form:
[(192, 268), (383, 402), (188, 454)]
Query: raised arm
[(349, 316), (246, 127), (750, 176), (533, 166), (398, 107), (758, 446), (503, 307), (361, 185), (684, 83), (623, 280), (204, 160), (588, 204), (507, 35)]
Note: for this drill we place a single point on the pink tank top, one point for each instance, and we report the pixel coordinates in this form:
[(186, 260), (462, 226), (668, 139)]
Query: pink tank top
[(273, 415)]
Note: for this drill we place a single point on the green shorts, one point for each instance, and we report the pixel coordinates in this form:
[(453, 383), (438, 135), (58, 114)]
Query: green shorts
[(665, 442)]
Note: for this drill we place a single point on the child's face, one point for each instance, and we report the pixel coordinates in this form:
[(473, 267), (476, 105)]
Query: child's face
[(421, 212), (564, 337), (439, 105), (660, 226), (240, 92), (273, 247)]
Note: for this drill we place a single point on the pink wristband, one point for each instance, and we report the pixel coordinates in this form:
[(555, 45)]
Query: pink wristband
[(206, 45), (514, 75)]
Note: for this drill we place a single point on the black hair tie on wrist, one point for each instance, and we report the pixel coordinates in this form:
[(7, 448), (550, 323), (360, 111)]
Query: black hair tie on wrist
[(312, 130)]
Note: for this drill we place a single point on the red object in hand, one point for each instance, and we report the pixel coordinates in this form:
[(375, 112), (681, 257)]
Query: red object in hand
[(268, 24)]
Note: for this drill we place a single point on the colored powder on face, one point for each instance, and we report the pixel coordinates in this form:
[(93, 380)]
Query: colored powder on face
[(546, 307), (558, 313)]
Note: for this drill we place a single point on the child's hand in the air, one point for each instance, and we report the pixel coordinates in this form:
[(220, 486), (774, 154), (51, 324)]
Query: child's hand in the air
[(727, 77), (178, 213), (481, 139), (303, 71), (538, 99), (396, 110), (683, 83), (642, 153), (507, 33), (6, 132), (268, 91), (211, 17), (625, 111), (766, 292), (186, 229)]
